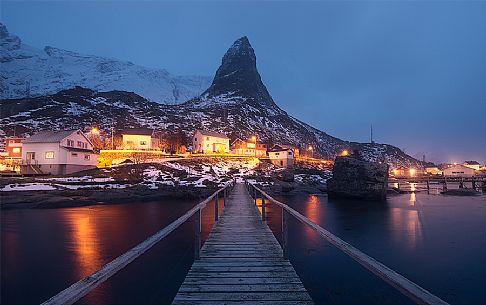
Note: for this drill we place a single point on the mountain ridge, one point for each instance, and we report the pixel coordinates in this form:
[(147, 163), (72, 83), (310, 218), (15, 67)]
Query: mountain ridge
[(29, 71)]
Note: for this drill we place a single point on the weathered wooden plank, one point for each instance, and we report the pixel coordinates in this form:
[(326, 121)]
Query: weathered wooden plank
[(254, 302), (243, 296), (242, 281), (234, 288)]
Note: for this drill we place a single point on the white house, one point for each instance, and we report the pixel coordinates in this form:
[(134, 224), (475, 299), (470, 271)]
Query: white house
[(209, 142), (139, 139), (458, 170), (57, 153), (472, 164), (283, 157)]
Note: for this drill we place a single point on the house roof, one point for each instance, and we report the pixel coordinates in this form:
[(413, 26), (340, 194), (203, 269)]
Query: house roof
[(75, 149), (213, 134), (138, 131), (471, 162), (50, 136), (280, 147)]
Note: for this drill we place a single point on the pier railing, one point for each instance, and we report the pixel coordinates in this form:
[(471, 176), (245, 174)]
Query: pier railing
[(413, 291), (81, 288)]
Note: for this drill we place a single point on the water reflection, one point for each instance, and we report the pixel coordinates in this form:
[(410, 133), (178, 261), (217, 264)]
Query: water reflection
[(405, 225), (84, 242)]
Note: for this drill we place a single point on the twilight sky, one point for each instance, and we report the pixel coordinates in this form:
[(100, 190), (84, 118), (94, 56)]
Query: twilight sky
[(415, 70)]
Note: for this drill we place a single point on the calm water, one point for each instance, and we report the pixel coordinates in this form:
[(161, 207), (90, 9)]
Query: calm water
[(439, 242)]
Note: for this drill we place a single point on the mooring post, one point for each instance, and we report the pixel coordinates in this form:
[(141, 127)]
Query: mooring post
[(216, 207), (473, 183), (285, 230), (398, 185), (428, 186), (263, 206), (197, 233), (444, 187)]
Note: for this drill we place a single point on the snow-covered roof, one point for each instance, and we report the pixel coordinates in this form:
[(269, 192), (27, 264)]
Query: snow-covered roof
[(50, 136), (212, 134), (471, 162)]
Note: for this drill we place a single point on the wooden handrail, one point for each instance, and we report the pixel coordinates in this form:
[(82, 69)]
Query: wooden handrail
[(416, 293), (79, 289)]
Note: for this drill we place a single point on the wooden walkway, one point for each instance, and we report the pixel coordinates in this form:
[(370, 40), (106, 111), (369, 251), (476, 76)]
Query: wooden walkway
[(241, 262)]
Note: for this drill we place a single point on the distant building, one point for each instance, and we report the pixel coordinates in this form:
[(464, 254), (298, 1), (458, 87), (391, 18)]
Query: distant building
[(248, 148), (458, 170), (283, 157), (57, 153), (295, 149), (13, 147), (209, 142), (139, 139), (472, 164), (434, 170)]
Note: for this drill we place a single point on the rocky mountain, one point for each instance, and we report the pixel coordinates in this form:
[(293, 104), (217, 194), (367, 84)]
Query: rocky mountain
[(28, 71), (237, 103)]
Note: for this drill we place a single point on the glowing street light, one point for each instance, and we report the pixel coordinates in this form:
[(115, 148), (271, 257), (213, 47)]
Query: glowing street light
[(345, 153), (95, 130), (254, 139), (311, 149)]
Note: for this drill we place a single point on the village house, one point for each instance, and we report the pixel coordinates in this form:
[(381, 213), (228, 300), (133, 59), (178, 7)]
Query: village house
[(139, 139), (295, 149), (283, 157), (248, 148), (13, 147), (57, 153), (208, 142), (433, 170), (472, 164), (458, 170)]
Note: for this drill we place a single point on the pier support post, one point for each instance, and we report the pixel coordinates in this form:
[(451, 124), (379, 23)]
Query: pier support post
[(263, 206), (473, 183), (197, 235), (216, 207), (428, 186), (255, 196), (285, 230), (444, 187)]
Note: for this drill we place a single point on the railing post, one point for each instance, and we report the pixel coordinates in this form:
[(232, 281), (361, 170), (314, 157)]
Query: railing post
[(255, 196), (263, 206), (197, 239), (216, 207), (224, 197), (285, 230)]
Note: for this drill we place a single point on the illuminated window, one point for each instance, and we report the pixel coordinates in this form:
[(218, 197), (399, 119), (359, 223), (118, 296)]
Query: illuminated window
[(16, 150), (49, 155)]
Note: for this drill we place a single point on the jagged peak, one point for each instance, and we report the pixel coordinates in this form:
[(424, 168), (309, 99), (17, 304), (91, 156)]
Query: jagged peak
[(8, 41)]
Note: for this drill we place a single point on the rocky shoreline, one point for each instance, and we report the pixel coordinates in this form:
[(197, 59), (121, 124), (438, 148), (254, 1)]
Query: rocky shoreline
[(77, 198)]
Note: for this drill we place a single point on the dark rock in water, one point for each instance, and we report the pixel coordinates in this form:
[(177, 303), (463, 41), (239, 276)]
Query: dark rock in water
[(355, 178)]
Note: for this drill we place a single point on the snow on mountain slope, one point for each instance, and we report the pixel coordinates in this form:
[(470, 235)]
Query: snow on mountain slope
[(28, 71)]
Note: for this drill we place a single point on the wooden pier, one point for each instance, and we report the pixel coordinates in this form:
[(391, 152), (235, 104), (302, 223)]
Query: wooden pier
[(241, 261)]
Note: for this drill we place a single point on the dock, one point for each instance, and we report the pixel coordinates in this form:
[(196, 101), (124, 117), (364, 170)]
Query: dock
[(241, 262)]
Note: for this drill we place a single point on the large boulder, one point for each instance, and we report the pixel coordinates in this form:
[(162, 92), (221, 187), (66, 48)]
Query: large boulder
[(356, 178)]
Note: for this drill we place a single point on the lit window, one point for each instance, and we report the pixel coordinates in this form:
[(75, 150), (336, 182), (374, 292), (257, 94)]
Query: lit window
[(87, 157), (16, 150), (49, 155)]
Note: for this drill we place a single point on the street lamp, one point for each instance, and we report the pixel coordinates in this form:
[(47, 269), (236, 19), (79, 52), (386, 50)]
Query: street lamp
[(95, 130), (344, 153)]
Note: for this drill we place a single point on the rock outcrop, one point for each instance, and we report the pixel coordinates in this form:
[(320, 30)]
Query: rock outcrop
[(360, 179)]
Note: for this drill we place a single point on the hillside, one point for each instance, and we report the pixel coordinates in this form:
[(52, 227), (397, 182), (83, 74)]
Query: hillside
[(237, 103)]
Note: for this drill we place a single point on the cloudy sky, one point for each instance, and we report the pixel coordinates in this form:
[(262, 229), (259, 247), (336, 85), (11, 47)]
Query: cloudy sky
[(415, 70)]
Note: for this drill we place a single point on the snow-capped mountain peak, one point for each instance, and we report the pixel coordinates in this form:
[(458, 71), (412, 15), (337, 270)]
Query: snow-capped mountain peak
[(28, 71)]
